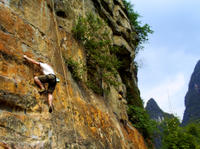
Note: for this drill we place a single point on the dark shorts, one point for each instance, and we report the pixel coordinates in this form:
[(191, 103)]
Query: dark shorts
[(50, 79)]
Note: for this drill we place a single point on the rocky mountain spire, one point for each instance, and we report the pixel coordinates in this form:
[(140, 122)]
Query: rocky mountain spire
[(155, 112), (192, 98)]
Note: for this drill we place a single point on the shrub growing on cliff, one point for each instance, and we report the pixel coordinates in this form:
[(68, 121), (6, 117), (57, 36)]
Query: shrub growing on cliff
[(76, 68), (140, 120), (137, 114), (102, 64), (142, 31)]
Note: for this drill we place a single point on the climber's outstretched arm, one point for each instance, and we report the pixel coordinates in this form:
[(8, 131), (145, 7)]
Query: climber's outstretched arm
[(31, 60)]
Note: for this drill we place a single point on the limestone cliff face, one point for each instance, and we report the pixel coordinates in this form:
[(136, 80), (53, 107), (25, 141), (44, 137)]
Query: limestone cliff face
[(42, 29)]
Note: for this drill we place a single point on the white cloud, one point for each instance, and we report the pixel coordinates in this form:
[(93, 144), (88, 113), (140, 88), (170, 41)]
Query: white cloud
[(172, 52), (168, 87), (165, 91), (165, 75)]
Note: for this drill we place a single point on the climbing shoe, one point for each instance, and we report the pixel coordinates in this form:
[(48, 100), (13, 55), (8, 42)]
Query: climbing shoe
[(50, 109), (42, 91)]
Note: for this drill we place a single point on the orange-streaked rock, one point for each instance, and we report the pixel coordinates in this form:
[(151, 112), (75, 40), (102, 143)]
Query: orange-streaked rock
[(80, 119)]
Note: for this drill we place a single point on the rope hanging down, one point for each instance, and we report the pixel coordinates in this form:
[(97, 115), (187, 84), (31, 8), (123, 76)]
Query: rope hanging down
[(83, 7), (63, 66)]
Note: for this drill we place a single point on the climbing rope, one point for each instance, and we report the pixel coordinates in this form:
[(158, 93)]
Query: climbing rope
[(63, 67), (84, 8)]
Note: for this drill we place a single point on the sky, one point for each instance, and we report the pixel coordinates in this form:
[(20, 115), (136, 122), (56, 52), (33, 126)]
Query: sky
[(171, 53)]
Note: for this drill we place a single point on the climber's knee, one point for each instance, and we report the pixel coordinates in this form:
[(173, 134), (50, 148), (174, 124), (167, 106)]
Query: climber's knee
[(36, 78)]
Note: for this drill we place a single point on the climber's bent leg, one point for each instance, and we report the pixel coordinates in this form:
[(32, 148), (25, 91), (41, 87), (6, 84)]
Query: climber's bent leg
[(38, 82), (50, 99)]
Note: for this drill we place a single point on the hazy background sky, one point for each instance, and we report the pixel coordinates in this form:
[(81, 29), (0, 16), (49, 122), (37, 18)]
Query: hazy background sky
[(171, 53)]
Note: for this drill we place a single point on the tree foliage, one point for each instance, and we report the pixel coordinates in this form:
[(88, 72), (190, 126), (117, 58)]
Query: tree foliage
[(142, 31), (137, 115), (141, 120), (176, 137)]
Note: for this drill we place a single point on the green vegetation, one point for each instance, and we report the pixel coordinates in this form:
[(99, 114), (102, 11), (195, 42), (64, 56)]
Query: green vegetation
[(142, 31), (137, 114), (176, 137), (133, 96), (140, 120), (77, 69), (140, 34), (102, 63)]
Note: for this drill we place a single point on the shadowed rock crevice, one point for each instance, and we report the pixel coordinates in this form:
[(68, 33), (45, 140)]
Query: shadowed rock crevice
[(106, 7), (9, 57), (63, 9), (50, 7), (127, 75), (61, 14), (3, 29), (4, 106), (118, 2), (16, 100)]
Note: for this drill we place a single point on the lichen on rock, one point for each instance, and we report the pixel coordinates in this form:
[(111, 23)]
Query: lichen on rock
[(42, 29)]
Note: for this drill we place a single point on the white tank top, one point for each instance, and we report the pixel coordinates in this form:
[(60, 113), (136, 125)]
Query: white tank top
[(46, 69)]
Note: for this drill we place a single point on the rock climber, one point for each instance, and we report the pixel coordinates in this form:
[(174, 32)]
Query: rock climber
[(47, 77)]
